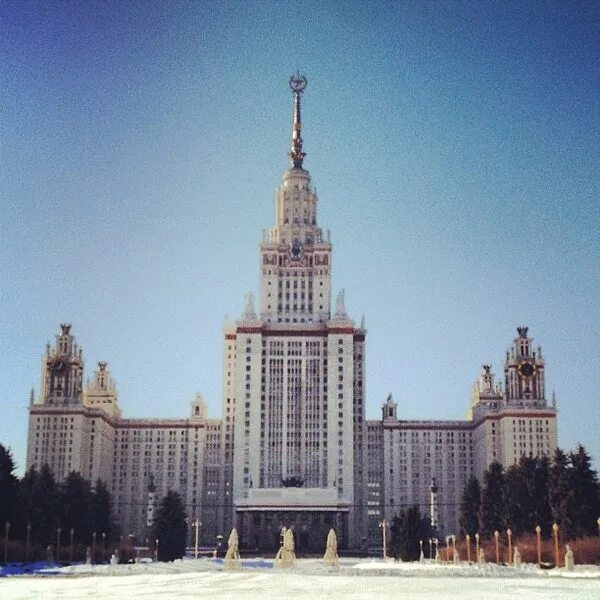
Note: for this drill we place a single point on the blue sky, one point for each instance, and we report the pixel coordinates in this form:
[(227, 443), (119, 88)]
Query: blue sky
[(454, 147)]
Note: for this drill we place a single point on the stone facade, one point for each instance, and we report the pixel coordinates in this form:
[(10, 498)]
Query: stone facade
[(293, 448)]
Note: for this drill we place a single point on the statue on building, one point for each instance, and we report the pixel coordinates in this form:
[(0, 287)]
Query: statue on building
[(249, 311), (340, 308)]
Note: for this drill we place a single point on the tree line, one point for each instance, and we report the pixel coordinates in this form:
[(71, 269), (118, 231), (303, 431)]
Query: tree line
[(35, 507), (534, 492)]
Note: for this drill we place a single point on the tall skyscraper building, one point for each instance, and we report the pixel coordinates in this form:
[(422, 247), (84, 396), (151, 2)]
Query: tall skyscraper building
[(294, 385), (293, 448)]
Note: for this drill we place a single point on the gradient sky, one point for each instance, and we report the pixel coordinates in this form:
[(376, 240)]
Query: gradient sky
[(454, 147)]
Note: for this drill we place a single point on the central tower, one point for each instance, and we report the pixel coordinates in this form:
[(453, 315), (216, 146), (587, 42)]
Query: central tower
[(295, 259), (294, 383)]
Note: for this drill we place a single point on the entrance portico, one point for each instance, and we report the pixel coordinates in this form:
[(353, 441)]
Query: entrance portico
[(309, 512)]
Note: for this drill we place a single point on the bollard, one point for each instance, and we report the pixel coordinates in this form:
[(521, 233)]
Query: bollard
[(556, 555), (497, 535)]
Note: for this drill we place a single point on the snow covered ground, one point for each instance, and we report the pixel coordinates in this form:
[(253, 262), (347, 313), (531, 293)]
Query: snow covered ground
[(310, 579)]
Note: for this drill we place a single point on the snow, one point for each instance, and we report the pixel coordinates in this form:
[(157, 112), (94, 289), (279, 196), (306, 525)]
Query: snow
[(310, 579)]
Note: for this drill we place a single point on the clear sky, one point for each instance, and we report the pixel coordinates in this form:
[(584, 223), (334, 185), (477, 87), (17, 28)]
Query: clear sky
[(454, 147)]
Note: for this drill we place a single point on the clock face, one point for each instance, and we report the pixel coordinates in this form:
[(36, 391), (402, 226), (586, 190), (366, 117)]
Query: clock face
[(526, 369), (296, 251), (58, 366)]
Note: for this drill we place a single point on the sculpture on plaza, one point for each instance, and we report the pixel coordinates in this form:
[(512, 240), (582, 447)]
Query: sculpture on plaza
[(331, 556), (232, 558), (517, 559), (569, 559), (286, 556)]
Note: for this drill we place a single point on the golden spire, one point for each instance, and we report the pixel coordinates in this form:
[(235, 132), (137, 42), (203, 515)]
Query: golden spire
[(297, 84)]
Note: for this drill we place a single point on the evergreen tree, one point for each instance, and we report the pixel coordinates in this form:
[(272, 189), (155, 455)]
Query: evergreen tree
[(76, 505), (102, 509), (40, 506), (170, 527), (492, 512), (9, 490), (470, 507), (526, 495), (561, 493), (584, 481), (407, 529), (542, 513)]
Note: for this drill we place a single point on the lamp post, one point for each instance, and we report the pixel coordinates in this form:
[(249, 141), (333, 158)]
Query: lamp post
[(556, 555), (538, 543), (93, 547), (468, 538), (72, 532), (103, 546), (27, 540), (509, 534), (58, 530), (478, 557), (196, 524), (383, 526), (156, 550), (497, 535), (6, 530), (430, 548)]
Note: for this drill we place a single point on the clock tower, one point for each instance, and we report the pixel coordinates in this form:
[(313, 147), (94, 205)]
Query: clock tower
[(524, 373), (62, 371)]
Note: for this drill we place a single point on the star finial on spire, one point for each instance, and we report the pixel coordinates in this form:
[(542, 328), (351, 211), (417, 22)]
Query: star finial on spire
[(297, 85)]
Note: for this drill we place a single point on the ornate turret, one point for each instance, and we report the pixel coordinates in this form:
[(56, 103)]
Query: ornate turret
[(62, 371), (486, 396), (389, 409), (524, 372), (102, 392)]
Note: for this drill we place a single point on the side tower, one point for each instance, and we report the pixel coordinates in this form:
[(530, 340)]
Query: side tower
[(518, 422), (524, 373), (62, 371), (59, 430), (294, 383)]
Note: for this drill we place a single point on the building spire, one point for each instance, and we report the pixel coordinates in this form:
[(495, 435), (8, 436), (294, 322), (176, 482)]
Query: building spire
[(297, 85)]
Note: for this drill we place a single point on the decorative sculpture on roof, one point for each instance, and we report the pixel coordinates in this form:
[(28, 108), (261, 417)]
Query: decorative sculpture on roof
[(249, 312), (340, 308)]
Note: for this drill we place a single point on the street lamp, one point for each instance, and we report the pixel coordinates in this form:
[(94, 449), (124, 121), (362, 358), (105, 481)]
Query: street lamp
[(196, 524), (477, 547), (430, 548), (468, 538), (6, 530), (555, 532), (103, 546), (58, 530), (27, 542), (509, 534), (156, 550), (538, 543), (496, 535), (383, 526), (72, 532)]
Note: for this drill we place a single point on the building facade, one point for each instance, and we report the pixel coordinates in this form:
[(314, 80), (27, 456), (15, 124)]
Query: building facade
[(293, 447)]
